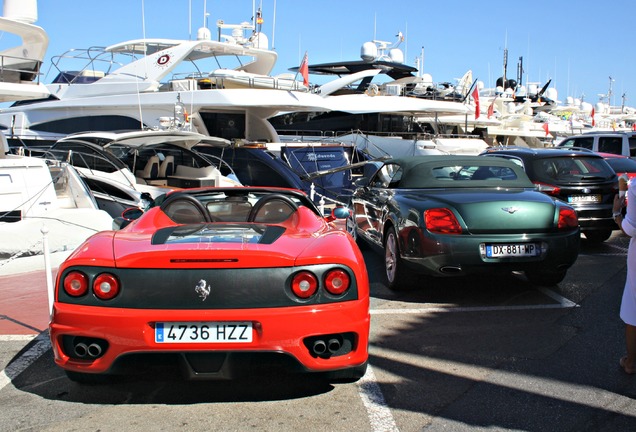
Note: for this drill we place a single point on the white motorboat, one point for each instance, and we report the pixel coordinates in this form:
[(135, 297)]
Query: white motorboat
[(37, 197), (132, 168)]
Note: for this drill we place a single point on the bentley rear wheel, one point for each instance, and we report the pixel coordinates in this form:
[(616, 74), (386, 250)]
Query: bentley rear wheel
[(397, 275)]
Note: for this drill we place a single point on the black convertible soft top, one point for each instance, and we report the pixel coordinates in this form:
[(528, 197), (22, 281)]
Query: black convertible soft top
[(450, 171)]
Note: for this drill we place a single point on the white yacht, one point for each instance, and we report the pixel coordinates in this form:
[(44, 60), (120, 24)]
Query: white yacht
[(389, 111), (223, 85)]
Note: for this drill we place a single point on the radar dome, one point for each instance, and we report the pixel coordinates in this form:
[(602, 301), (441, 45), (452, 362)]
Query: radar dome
[(25, 11), (396, 55), (569, 100), (204, 34), (369, 51), (427, 79), (260, 41), (586, 107)]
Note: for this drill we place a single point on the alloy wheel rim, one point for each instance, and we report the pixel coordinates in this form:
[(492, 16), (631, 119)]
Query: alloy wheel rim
[(390, 257)]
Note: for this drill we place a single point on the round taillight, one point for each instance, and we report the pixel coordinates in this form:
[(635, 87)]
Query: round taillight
[(106, 286), (337, 281), (75, 284), (304, 284)]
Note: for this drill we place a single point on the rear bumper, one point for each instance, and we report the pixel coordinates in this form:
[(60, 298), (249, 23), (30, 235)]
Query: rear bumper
[(450, 255), (275, 330)]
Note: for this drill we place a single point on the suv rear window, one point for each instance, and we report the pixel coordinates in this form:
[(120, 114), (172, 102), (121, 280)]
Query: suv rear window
[(571, 169)]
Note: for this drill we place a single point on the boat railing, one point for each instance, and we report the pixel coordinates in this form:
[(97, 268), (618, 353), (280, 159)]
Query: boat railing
[(199, 81), (19, 69), (81, 66)]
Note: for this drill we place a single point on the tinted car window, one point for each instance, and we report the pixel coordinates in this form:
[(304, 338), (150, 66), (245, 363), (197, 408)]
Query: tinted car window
[(585, 142), (571, 169), (610, 145), (632, 146), (621, 165)]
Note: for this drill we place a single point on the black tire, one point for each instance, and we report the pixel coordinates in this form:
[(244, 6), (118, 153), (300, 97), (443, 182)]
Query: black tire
[(86, 378), (350, 225), (397, 276), (350, 375), (545, 278), (597, 236)]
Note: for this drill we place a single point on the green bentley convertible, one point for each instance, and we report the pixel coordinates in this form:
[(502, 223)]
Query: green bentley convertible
[(458, 215)]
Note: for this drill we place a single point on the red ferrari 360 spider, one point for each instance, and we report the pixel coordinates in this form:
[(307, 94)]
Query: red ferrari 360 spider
[(218, 278)]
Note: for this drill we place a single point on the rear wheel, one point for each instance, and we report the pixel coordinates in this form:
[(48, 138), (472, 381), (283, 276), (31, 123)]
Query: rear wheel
[(397, 276), (546, 278), (598, 236)]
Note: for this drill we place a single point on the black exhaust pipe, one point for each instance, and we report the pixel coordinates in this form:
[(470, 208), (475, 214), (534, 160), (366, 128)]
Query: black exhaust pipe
[(94, 350), (334, 345), (319, 347), (81, 350)]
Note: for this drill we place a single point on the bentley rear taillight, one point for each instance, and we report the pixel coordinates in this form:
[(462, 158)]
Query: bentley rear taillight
[(442, 221), (337, 282), (567, 219), (75, 284), (304, 284), (106, 286)]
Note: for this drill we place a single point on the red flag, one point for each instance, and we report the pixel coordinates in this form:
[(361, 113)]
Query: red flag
[(593, 122), (476, 99), (634, 127), (546, 128), (304, 69), (491, 108)]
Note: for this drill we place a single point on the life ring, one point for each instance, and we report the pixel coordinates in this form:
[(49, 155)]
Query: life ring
[(373, 90)]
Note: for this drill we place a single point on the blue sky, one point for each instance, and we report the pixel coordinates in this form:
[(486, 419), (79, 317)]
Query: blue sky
[(579, 45)]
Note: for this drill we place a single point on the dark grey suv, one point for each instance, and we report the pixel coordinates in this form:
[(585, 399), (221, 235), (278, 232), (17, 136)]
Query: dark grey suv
[(581, 178)]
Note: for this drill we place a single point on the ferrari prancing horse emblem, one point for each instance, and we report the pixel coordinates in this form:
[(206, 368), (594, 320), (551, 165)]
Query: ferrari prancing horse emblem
[(203, 289)]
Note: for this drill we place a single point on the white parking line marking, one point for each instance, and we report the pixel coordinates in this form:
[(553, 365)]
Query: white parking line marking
[(378, 411), (563, 303), (16, 338), (42, 345)]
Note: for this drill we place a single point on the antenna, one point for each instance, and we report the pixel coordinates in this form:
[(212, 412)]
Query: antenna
[(274, 27)]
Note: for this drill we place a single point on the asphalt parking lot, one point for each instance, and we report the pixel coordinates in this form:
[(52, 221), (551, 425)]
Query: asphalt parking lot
[(488, 353)]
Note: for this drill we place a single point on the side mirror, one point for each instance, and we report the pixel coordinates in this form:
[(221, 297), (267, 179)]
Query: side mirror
[(340, 213)]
